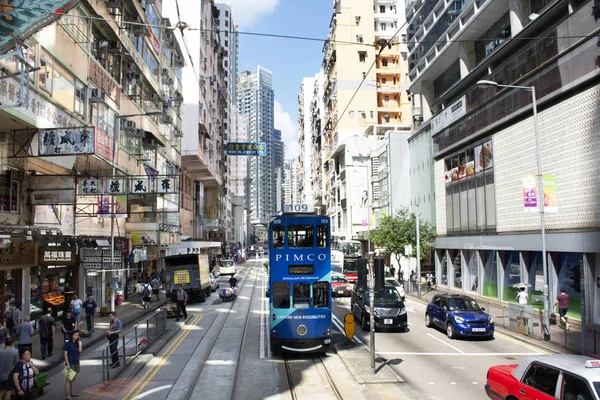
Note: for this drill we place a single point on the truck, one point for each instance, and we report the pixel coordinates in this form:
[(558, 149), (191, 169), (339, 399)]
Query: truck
[(191, 271), (352, 251)]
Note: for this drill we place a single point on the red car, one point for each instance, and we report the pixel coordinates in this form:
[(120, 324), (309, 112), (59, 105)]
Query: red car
[(340, 286), (550, 377)]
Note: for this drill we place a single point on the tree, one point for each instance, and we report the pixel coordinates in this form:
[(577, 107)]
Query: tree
[(394, 233)]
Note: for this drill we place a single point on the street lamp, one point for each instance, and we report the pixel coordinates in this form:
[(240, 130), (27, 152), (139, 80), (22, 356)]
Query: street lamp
[(112, 198), (531, 89)]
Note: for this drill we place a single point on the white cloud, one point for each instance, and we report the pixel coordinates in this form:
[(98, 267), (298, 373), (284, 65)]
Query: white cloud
[(289, 131), (247, 12)]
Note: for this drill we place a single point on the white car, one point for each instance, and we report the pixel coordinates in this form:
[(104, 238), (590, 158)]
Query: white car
[(214, 282), (398, 285), (227, 267)]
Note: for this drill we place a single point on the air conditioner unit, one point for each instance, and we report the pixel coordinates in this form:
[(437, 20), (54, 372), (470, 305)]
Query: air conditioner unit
[(113, 3), (164, 71), (97, 95), (138, 133), (129, 125), (114, 47), (167, 119), (178, 60), (178, 134)]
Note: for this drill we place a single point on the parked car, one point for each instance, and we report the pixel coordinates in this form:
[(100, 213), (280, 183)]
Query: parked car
[(227, 267), (214, 282), (546, 377), (398, 286), (389, 309), (459, 315), (340, 285)]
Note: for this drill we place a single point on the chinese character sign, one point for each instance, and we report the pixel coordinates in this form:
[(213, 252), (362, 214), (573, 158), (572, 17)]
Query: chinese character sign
[(114, 186), (66, 141), (139, 185), (246, 149), (88, 186), (167, 184)]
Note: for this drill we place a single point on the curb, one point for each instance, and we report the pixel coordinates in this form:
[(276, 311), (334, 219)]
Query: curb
[(360, 378)]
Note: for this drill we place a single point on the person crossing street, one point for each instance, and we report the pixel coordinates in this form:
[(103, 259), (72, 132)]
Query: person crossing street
[(181, 303)]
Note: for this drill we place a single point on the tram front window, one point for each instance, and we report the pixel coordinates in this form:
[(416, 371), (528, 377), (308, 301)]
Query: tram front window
[(320, 294), (278, 236), (301, 236), (301, 295), (281, 295)]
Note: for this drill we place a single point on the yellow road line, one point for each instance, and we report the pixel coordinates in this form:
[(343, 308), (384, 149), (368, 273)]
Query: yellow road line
[(520, 343), (147, 378)]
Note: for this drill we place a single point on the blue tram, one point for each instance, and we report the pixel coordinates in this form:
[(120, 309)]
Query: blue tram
[(300, 283)]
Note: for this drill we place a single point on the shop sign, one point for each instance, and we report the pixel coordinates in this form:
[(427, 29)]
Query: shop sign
[(246, 149), (101, 78), (114, 186), (139, 185), (52, 197), (144, 238), (54, 142), (57, 256), (168, 238), (88, 186), (103, 146), (139, 254), (216, 236), (449, 115), (122, 246), (17, 254), (167, 185)]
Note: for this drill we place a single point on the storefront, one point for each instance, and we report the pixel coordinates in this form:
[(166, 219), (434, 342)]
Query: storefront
[(16, 257), (99, 267), (54, 281)]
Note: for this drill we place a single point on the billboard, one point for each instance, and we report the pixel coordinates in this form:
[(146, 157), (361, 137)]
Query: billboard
[(246, 149), (360, 194), (22, 18)]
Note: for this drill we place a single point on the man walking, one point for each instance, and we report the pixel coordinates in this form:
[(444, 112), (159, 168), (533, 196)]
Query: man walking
[(25, 332), (181, 303), (9, 357), (89, 305), (563, 305), (146, 294), (47, 324), (155, 286), (15, 319), (113, 338)]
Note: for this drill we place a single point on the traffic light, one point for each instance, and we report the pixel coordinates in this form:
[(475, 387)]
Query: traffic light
[(576, 277)]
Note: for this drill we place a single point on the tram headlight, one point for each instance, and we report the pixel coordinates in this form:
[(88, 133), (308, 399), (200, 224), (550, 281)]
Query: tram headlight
[(301, 330)]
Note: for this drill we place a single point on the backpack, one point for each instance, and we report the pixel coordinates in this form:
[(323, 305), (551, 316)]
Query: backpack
[(145, 291)]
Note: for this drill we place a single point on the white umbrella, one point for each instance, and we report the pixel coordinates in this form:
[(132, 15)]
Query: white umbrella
[(520, 285)]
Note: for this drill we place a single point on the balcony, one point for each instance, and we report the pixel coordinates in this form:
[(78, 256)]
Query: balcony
[(197, 164)]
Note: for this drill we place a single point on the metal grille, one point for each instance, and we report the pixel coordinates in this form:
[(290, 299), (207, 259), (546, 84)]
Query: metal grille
[(387, 312)]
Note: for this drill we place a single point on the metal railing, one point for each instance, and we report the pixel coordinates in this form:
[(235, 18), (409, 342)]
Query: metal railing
[(132, 343)]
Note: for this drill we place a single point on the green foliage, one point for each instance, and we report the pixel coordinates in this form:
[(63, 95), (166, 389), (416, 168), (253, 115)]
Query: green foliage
[(393, 233)]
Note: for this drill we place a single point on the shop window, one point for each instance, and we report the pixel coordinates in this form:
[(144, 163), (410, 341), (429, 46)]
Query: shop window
[(569, 273), (512, 275), (535, 277), (301, 295), (456, 258), (300, 236), (281, 295), (321, 295), (471, 270), (490, 274), (443, 257)]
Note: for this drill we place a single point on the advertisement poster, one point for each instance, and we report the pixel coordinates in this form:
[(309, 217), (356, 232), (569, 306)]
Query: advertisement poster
[(529, 193), (470, 168), (121, 206), (550, 197), (144, 238), (104, 206), (360, 195)]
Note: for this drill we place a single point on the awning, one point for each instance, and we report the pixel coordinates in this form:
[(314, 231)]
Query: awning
[(150, 135), (102, 243)]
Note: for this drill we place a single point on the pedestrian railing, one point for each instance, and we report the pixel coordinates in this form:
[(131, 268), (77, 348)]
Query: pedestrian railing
[(132, 343)]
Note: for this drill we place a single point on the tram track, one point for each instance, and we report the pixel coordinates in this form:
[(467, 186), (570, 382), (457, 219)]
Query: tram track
[(296, 367), (219, 329)]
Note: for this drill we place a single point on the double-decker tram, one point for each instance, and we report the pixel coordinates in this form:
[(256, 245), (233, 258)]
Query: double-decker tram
[(300, 281)]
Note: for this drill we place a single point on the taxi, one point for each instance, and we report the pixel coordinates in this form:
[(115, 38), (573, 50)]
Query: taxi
[(546, 377), (340, 285)]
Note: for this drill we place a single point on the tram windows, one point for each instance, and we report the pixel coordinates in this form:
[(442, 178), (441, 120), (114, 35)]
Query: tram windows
[(321, 294), (301, 295), (278, 236), (281, 295), (322, 236), (301, 236)]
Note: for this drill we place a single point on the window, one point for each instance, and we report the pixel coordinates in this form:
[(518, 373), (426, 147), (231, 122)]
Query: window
[(372, 114), (359, 38), (226, 13), (322, 236), (574, 387), (45, 73), (351, 114), (63, 87), (490, 274), (226, 22), (364, 74), (512, 275), (103, 118), (278, 236), (386, 117), (301, 295), (382, 9), (362, 56), (383, 82), (9, 192), (129, 143), (281, 295), (151, 61), (542, 378), (321, 295), (383, 26), (300, 236), (384, 62), (227, 43), (80, 97)]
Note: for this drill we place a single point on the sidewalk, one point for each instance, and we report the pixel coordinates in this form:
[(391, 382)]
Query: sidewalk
[(128, 312), (561, 341)]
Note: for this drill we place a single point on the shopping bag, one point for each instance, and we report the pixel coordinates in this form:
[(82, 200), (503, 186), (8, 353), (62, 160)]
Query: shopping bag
[(69, 373)]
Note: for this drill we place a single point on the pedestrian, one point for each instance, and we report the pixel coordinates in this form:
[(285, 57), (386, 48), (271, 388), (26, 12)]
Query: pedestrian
[(401, 275), (155, 286), (25, 332), (23, 375), (47, 324), (429, 278), (68, 325), (71, 353), (3, 334), (181, 303), (522, 296), (563, 305), (14, 319), (89, 305), (9, 357), (146, 294), (113, 338), (412, 278), (138, 292), (392, 271), (76, 304)]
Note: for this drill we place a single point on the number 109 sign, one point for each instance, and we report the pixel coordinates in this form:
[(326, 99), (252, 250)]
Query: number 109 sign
[(299, 208)]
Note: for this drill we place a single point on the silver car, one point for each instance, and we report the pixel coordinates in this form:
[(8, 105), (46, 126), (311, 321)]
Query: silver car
[(214, 283)]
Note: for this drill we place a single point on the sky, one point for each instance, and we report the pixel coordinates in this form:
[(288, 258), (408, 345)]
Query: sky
[(289, 60)]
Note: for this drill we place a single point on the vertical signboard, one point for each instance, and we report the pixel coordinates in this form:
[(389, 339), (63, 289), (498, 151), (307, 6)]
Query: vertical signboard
[(360, 195)]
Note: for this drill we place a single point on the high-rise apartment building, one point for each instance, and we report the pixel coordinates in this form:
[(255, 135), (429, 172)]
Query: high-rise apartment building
[(256, 100), (305, 159), (485, 144)]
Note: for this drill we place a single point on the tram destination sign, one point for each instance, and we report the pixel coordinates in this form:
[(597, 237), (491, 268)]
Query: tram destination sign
[(246, 149), (301, 269)]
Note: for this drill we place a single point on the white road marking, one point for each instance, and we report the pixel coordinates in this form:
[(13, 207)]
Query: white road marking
[(475, 383), (411, 353), (447, 344), (453, 383), (432, 383)]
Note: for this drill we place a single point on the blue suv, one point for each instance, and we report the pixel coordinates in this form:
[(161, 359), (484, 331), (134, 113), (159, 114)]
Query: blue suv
[(459, 315)]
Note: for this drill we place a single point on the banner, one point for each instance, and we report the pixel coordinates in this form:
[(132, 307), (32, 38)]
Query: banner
[(144, 238), (150, 172), (550, 196), (121, 206), (530, 193), (104, 206)]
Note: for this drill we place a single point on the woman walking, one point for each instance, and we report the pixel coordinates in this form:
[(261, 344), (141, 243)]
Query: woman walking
[(76, 305), (72, 350), (24, 376)]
